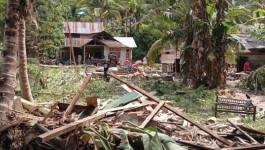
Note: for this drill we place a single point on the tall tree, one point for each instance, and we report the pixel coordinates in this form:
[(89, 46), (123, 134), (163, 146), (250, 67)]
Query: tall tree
[(47, 39), (22, 56), (204, 41), (9, 58)]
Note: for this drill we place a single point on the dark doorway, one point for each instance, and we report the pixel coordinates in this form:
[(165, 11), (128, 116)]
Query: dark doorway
[(240, 63)]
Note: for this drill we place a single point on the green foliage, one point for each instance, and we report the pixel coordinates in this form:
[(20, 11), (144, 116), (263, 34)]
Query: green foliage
[(256, 77), (48, 38), (144, 41), (105, 138), (236, 12), (61, 84), (195, 101), (230, 57), (2, 20), (258, 124)]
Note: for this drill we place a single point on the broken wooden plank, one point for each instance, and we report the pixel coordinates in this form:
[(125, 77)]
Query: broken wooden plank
[(194, 144), (251, 147), (125, 87), (57, 141), (152, 115), (69, 127), (87, 112), (77, 108), (221, 139), (92, 101), (245, 133), (250, 130), (48, 115), (77, 96)]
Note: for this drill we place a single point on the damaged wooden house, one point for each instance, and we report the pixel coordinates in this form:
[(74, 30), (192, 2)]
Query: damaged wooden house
[(170, 60), (91, 41), (253, 51)]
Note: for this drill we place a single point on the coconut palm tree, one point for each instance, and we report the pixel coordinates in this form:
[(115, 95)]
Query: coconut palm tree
[(22, 55), (9, 58)]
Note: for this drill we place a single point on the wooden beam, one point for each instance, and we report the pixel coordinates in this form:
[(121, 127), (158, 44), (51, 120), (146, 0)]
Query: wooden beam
[(251, 147), (245, 133), (250, 130), (194, 144), (125, 87), (69, 127), (77, 96), (48, 115), (152, 115), (210, 132)]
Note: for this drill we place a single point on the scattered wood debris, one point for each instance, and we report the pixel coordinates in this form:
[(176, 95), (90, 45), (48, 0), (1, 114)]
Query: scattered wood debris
[(61, 124)]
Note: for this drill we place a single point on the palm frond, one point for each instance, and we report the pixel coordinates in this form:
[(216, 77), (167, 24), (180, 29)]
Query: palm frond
[(256, 20), (170, 38)]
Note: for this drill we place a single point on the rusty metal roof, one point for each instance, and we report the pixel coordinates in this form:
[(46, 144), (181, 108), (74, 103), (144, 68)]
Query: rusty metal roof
[(111, 43), (84, 27), (77, 42), (249, 42)]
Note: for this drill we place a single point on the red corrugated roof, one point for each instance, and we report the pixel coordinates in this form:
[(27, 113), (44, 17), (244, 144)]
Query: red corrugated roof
[(84, 27), (111, 43)]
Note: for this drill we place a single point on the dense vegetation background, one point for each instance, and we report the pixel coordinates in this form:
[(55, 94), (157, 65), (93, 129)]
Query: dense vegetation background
[(145, 20)]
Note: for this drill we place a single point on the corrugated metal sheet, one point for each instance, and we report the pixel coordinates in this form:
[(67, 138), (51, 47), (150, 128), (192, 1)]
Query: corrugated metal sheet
[(249, 42), (77, 42), (84, 27), (111, 43), (127, 41)]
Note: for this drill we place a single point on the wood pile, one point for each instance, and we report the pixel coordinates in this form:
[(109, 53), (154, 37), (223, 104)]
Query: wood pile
[(60, 126)]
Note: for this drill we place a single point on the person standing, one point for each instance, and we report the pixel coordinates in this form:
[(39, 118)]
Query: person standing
[(144, 62), (246, 67), (106, 69)]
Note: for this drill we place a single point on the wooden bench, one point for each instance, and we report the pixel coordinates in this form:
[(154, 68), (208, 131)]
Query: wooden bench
[(234, 106)]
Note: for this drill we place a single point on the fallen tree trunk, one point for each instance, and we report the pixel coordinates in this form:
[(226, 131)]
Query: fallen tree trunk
[(31, 106)]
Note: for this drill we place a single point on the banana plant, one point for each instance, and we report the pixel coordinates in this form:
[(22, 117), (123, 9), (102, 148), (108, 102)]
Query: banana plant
[(118, 138)]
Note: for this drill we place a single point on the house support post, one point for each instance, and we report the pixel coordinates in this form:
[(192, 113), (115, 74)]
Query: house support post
[(84, 55)]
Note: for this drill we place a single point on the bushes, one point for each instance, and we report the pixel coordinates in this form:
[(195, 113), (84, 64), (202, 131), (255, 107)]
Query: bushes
[(258, 77)]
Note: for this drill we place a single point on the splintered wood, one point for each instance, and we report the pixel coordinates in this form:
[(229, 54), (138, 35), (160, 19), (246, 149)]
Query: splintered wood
[(221, 139), (77, 96), (186, 131)]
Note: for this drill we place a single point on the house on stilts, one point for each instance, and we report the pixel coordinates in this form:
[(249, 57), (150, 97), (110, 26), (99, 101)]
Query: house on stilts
[(91, 41)]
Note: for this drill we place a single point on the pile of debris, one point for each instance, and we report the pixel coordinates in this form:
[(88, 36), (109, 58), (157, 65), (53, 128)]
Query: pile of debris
[(137, 120)]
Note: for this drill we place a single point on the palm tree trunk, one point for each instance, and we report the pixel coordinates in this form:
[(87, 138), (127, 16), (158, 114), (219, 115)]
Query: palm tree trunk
[(23, 72), (9, 59)]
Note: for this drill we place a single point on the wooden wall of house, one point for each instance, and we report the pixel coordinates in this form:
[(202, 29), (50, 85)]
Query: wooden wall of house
[(256, 61), (63, 55)]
